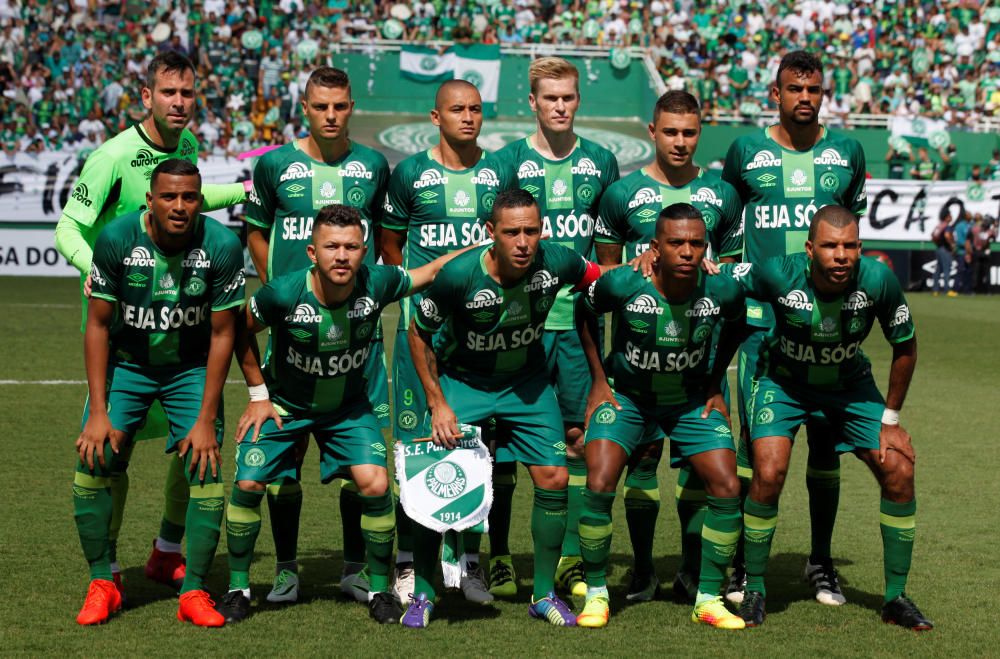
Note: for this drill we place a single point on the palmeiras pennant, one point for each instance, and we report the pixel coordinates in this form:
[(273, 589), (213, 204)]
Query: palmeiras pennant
[(446, 489)]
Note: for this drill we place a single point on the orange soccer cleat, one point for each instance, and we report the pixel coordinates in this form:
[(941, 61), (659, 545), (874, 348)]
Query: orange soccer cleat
[(198, 608), (102, 600), (166, 568)]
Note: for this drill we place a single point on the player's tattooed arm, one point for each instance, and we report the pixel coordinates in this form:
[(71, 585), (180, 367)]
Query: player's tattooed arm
[(391, 244), (259, 410), (608, 253), (600, 390), (96, 349), (257, 245), (444, 423), (893, 437)]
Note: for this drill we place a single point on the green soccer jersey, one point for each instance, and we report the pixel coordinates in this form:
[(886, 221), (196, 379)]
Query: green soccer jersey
[(290, 187), (491, 336), (115, 178), (661, 353), (164, 302), (782, 189), (441, 209), (318, 353), (817, 339), (631, 206), (568, 193)]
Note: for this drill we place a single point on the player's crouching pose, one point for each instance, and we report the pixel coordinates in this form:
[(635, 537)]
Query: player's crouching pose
[(825, 303), (660, 362), (321, 319), (167, 284), (490, 306)]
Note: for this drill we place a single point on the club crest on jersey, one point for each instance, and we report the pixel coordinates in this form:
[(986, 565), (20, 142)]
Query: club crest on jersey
[(585, 167), (763, 158), (830, 157), (541, 280), (645, 303), (140, 256), (796, 300), (304, 313), (196, 258), (363, 307), (483, 298), (428, 178), (488, 177), (856, 301), (355, 169), (706, 196), (530, 169), (703, 308), (297, 170), (901, 316), (645, 196)]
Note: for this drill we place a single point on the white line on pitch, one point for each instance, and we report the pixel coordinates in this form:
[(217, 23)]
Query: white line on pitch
[(40, 305)]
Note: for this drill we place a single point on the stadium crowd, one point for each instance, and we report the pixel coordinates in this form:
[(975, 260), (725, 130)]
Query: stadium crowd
[(70, 72)]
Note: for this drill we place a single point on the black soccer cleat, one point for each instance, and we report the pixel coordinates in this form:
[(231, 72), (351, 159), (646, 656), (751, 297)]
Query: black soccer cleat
[(752, 608), (903, 612), (384, 609), (234, 607)]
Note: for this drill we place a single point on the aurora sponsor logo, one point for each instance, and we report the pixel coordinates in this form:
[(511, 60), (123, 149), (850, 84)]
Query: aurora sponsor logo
[(857, 300), (901, 316), (530, 169), (645, 303), (296, 170), (82, 195), (483, 298), (740, 270), (541, 280), (355, 169), (585, 167), (706, 196), (703, 308), (96, 277), (763, 158), (140, 256), (486, 176), (363, 307), (237, 282), (429, 309), (187, 148), (304, 313), (645, 196), (144, 158), (796, 300), (830, 157), (196, 258), (428, 178)]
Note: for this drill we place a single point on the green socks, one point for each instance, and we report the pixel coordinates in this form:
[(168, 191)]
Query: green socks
[(242, 529), (574, 504), (92, 507), (378, 521), (284, 502), (204, 524), (642, 505), (823, 484), (404, 527), (759, 521), (690, 499), (548, 528), (350, 520), (719, 537), (175, 501), (119, 493), (426, 546), (504, 482), (898, 525), (595, 536)]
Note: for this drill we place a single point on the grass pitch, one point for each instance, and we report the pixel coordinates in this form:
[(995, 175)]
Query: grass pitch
[(950, 411)]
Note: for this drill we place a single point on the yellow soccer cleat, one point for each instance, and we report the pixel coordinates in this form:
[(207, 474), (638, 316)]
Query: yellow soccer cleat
[(595, 613), (714, 612), (570, 576)]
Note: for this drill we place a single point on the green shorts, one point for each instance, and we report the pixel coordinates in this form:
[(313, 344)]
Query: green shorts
[(632, 427), (132, 390), (345, 438), (529, 428), (567, 367), (408, 400), (378, 383), (654, 433), (781, 406)]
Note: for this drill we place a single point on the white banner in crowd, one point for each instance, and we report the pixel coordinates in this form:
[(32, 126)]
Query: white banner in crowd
[(33, 190)]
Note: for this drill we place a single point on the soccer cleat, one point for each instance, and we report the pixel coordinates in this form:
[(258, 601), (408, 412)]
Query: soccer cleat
[(384, 609), (235, 606), (825, 581), (418, 613), (903, 612), (102, 600), (737, 585), (714, 612), (473, 585), (685, 588), (286, 588), (198, 608), (166, 568), (553, 610), (403, 580), (952, 294), (119, 585), (642, 588), (595, 612), (752, 608), (570, 576), (503, 581), (354, 583)]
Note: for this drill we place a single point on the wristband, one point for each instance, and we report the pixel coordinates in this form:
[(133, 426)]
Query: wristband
[(258, 392), (890, 417)]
